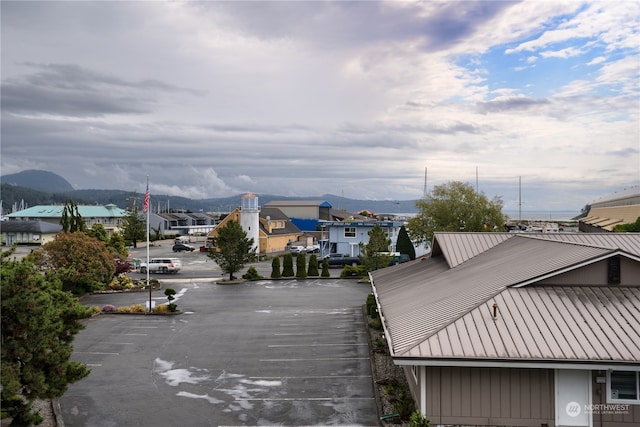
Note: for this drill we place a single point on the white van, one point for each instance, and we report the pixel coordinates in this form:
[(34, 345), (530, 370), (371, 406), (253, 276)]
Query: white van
[(183, 239)]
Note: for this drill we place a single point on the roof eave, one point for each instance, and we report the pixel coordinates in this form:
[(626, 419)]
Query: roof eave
[(518, 363)]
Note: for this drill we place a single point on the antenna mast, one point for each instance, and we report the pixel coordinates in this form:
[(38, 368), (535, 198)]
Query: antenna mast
[(424, 195)]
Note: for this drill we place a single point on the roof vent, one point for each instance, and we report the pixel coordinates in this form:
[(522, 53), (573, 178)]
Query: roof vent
[(494, 314)]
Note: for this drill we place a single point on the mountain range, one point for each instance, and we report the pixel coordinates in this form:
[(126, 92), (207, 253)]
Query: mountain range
[(38, 187)]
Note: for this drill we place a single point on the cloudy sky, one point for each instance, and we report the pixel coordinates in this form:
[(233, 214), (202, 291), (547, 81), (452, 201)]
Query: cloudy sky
[(211, 99)]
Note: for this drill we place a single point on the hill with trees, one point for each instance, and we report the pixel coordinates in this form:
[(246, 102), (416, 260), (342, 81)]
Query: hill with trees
[(16, 195)]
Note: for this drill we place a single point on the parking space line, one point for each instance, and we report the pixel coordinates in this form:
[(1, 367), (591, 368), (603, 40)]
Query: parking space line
[(96, 352), (316, 345), (289, 399), (318, 359), (139, 335), (311, 377), (303, 334)]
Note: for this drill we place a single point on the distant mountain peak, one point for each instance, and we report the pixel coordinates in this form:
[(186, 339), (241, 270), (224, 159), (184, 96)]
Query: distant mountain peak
[(38, 180)]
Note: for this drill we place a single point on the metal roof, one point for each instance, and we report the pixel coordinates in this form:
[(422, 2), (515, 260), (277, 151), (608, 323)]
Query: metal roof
[(316, 203), (421, 299), (549, 323), (55, 211), (19, 226)]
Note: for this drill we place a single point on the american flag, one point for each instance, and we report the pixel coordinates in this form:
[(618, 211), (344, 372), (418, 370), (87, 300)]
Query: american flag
[(145, 205)]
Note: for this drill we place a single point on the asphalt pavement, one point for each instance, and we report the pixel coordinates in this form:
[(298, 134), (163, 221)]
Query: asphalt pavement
[(285, 353)]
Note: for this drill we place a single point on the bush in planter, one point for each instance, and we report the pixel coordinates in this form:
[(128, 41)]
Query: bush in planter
[(301, 266), (252, 274), (313, 266), (325, 269), (275, 268), (160, 309), (419, 420), (354, 271), (108, 308), (287, 265), (134, 308), (170, 292)]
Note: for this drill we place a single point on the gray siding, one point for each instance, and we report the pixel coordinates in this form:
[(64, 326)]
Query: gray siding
[(630, 418), (488, 396), (596, 275)]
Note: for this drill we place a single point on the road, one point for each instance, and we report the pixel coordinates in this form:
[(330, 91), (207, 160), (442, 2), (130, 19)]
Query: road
[(286, 353)]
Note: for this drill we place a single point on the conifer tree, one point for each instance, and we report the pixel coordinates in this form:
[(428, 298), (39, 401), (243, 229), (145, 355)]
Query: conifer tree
[(39, 323), (313, 266), (301, 266), (275, 268), (232, 248), (287, 265), (404, 245)]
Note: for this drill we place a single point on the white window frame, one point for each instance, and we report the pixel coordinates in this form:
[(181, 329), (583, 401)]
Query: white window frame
[(632, 401), (355, 232)]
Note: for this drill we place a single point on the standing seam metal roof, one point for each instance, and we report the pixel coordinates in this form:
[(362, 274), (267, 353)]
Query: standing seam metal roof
[(423, 297)]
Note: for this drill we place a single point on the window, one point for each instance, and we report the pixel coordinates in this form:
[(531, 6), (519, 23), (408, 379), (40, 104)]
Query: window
[(623, 386), (349, 232)]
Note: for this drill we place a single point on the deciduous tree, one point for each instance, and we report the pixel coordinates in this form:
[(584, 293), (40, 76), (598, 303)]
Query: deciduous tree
[(81, 262), (455, 206), (232, 249), (39, 323)]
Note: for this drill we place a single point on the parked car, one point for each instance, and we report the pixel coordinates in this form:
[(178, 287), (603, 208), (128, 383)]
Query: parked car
[(162, 265), (180, 247), (339, 260), (313, 249), (297, 249)]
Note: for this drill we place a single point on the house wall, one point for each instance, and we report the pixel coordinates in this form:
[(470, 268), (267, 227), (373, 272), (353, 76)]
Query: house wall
[(274, 244), (487, 396), (626, 417), (596, 275)]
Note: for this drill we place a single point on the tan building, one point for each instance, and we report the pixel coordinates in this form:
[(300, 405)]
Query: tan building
[(519, 329), (275, 230), (617, 209)]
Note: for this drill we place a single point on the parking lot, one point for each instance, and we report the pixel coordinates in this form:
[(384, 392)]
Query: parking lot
[(287, 353)]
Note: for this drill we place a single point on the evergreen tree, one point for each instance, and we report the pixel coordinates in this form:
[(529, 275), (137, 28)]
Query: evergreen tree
[(455, 207), (275, 268), (97, 231), (134, 227), (301, 266), (404, 245), (313, 266), (287, 265), (378, 242), (232, 248), (39, 323), (325, 269)]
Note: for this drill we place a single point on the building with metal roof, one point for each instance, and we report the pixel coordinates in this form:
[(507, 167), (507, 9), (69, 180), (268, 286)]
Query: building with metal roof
[(514, 328), (110, 216), (28, 232), (617, 209)]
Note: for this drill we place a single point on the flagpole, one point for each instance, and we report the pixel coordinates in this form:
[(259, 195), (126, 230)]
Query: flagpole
[(148, 208)]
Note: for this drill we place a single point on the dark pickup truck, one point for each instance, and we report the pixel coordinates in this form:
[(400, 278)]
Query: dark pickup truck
[(339, 260)]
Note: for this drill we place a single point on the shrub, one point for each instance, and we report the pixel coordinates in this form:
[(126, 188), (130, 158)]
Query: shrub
[(170, 292), (134, 308), (94, 309), (120, 282), (419, 420), (275, 268), (161, 309), (287, 265), (301, 266), (252, 274), (325, 269), (108, 308), (313, 266), (376, 324), (354, 271)]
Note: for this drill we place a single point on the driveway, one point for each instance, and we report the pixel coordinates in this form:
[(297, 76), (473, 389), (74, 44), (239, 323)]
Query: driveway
[(287, 353)]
